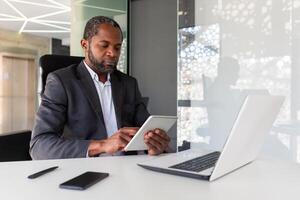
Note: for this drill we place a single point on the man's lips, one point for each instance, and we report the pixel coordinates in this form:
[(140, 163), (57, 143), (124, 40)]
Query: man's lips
[(110, 63)]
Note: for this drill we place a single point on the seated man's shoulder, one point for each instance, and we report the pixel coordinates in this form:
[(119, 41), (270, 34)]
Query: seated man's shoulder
[(66, 72)]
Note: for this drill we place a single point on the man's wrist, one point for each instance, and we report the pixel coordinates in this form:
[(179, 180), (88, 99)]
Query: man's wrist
[(96, 147)]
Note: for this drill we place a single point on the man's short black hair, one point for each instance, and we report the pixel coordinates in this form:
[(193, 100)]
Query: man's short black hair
[(91, 27)]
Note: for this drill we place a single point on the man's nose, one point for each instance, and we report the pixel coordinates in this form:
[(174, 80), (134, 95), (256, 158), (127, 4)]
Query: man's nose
[(111, 52)]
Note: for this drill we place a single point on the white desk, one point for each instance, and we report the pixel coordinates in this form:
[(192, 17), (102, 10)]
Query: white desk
[(262, 179)]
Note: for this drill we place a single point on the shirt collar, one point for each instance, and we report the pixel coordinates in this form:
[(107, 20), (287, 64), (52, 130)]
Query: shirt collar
[(94, 75)]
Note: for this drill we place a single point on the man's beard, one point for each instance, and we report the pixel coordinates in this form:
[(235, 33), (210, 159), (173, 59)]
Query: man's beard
[(99, 66)]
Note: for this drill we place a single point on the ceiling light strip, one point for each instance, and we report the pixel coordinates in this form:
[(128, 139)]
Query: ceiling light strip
[(15, 9), (49, 14), (103, 8), (51, 25), (11, 20), (10, 16), (59, 4), (36, 4), (78, 2), (45, 31), (54, 22), (23, 26)]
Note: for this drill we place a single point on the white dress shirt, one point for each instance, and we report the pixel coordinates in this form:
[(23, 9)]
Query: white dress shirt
[(107, 105), (106, 101)]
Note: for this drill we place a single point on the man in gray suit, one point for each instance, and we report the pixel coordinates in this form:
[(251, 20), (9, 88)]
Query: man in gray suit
[(92, 108)]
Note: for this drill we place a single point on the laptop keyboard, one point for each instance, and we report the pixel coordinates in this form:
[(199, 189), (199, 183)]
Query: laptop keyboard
[(200, 163)]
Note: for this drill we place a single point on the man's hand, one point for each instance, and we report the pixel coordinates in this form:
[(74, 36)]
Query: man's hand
[(157, 141), (114, 143), (119, 140)]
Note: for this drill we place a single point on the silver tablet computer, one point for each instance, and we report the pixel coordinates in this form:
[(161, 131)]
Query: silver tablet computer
[(153, 122)]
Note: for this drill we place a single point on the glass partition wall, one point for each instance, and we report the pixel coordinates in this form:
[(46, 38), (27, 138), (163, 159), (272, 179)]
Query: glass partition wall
[(228, 49)]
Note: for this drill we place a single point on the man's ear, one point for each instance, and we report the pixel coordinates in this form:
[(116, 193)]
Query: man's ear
[(84, 44)]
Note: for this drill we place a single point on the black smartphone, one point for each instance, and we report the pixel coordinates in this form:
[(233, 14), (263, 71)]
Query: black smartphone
[(84, 180)]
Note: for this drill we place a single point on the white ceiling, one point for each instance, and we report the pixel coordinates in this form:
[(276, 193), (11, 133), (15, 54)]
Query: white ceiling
[(49, 18)]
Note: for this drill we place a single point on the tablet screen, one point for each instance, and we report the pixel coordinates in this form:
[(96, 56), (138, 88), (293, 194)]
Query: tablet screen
[(153, 122)]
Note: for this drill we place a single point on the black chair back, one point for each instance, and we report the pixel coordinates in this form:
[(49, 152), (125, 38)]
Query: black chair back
[(50, 63), (15, 146)]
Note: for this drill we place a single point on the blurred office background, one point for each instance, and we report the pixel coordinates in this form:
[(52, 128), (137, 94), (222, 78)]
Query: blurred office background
[(197, 59), (30, 29)]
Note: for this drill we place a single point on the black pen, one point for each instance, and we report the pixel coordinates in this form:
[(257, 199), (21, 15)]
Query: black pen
[(40, 173)]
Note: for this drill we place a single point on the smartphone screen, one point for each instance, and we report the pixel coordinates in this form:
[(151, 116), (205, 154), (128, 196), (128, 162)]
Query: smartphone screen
[(84, 180)]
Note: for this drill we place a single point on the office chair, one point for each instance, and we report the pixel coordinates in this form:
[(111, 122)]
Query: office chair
[(50, 63), (15, 146)]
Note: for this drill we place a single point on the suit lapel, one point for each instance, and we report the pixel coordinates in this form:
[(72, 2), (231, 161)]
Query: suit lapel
[(90, 90), (117, 95)]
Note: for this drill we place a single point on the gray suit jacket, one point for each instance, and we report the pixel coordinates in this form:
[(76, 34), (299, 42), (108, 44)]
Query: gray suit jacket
[(70, 113)]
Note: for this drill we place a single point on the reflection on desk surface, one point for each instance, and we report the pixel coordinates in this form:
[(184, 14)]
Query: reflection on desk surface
[(283, 142)]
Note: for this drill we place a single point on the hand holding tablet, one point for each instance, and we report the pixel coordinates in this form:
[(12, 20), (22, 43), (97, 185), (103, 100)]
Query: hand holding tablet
[(153, 122)]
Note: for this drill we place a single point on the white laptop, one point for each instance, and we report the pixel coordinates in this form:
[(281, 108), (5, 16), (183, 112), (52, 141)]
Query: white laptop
[(253, 122)]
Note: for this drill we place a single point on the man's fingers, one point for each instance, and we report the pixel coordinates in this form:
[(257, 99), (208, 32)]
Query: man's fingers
[(151, 148), (158, 138), (156, 144), (131, 131), (125, 137), (162, 134), (122, 143), (115, 143)]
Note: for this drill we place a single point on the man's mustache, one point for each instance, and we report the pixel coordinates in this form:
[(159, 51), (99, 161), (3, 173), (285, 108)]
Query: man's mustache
[(110, 63)]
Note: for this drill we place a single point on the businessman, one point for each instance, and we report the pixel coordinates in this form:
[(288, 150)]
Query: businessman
[(91, 108)]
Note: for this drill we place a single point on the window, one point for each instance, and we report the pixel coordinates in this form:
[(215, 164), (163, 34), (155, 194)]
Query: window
[(228, 49), (17, 92)]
